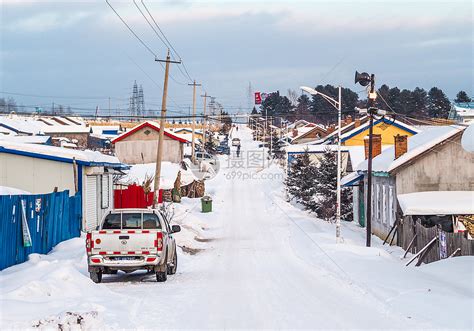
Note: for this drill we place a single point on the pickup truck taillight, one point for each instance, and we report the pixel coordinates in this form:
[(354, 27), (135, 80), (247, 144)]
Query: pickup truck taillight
[(159, 241), (89, 242)]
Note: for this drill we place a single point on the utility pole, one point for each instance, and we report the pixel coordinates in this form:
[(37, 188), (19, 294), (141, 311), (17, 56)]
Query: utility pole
[(370, 108), (365, 79), (159, 152), (193, 153), (204, 129)]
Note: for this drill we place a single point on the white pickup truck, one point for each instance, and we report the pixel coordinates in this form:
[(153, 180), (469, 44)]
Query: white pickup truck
[(132, 239)]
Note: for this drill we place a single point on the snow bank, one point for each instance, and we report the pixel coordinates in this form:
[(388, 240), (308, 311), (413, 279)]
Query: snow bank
[(169, 171)]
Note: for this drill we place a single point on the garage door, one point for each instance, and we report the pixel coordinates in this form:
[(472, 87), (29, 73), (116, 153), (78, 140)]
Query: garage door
[(91, 202)]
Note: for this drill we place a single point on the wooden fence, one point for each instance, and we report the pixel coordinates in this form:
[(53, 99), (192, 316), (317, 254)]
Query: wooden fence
[(413, 236)]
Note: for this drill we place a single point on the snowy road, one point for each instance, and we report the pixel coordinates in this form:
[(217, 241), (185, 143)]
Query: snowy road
[(265, 264)]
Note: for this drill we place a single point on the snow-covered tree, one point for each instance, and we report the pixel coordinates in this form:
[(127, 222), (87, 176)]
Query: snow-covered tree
[(325, 190), (299, 186), (277, 148)]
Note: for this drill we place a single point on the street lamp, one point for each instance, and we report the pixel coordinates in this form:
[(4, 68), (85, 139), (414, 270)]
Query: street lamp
[(338, 105)]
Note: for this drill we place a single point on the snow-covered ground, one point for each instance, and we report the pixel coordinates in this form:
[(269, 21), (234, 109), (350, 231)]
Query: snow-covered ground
[(255, 262)]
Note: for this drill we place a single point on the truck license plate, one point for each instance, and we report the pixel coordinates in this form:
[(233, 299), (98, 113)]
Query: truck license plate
[(125, 258)]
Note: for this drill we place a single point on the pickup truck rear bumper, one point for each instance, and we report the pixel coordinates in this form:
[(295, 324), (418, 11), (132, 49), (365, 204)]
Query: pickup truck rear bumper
[(124, 262)]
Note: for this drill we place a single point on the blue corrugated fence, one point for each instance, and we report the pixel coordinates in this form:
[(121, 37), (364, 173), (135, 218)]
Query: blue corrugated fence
[(51, 218)]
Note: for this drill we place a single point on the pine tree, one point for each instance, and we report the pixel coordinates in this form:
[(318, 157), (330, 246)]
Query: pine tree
[(462, 97), (438, 103), (326, 190), (277, 148), (295, 179)]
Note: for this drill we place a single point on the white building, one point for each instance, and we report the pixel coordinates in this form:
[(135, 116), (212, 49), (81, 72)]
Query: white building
[(43, 169)]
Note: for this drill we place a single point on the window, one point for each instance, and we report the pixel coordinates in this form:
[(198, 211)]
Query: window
[(151, 221), (104, 191), (131, 220), (391, 210), (112, 221), (384, 204)]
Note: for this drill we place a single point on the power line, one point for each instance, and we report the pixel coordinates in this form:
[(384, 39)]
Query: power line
[(167, 40), (130, 29), (59, 97)]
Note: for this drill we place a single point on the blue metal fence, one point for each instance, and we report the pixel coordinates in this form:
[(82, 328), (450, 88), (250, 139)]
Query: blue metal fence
[(51, 218)]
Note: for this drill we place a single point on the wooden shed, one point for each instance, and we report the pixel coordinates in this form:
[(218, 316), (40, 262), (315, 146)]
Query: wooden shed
[(140, 145)]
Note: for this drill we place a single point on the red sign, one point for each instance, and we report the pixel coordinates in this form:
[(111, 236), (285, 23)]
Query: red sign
[(258, 98)]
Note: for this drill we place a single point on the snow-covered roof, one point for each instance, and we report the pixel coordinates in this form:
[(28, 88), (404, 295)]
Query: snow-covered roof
[(437, 203), (464, 110), (150, 124), (351, 178), (417, 144), (365, 126), (86, 157), (139, 172), (25, 139), (467, 140), (42, 125), (298, 122), (357, 153), (345, 128)]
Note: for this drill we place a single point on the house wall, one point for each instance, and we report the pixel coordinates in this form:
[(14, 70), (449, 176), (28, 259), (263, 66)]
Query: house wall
[(34, 175), (141, 147), (385, 130), (384, 204), (446, 168)]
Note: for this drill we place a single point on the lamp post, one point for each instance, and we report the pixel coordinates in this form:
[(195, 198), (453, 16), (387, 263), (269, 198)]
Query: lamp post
[(338, 105)]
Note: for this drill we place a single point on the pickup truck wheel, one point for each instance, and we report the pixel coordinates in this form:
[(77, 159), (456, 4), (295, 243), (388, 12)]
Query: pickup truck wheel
[(174, 266), (161, 276), (96, 276)]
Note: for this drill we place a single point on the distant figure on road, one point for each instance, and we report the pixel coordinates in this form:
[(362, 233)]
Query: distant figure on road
[(236, 128), (238, 150)]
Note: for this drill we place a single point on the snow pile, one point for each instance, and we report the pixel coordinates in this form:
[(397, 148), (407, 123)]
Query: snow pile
[(169, 171), (437, 203)]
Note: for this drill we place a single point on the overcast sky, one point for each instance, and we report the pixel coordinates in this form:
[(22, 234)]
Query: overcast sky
[(80, 49)]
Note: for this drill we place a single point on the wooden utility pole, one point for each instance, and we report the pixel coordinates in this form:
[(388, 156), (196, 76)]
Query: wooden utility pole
[(370, 112), (193, 153), (204, 129), (159, 152)]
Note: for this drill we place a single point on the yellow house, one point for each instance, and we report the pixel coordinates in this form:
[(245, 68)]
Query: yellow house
[(197, 133), (386, 127)]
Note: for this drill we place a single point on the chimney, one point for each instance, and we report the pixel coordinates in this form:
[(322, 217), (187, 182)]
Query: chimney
[(376, 145), (401, 145), (294, 133), (356, 123)]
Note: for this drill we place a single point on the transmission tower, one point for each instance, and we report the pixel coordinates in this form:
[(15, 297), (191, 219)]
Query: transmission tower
[(141, 101), (134, 101)]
